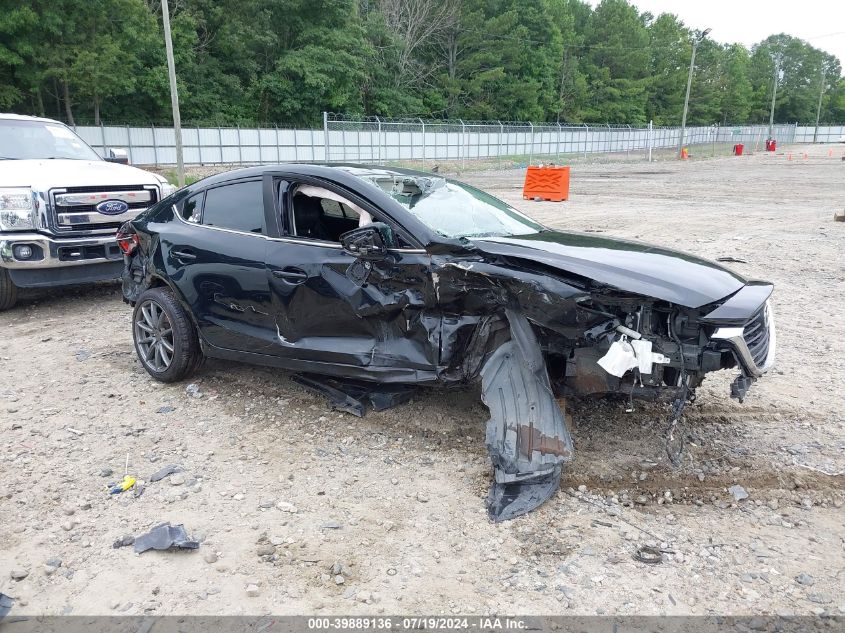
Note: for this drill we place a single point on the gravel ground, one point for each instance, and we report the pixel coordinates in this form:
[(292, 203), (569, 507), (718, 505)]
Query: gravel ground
[(300, 509)]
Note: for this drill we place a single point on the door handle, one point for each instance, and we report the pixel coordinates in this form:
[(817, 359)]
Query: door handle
[(184, 256), (291, 275)]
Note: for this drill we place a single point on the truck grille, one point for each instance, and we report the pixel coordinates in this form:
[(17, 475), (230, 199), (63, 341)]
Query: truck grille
[(75, 208), (756, 335)]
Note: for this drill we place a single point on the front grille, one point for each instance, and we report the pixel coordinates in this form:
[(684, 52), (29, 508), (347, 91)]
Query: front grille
[(756, 335), (91, 208), (108, 226), (76, 216)]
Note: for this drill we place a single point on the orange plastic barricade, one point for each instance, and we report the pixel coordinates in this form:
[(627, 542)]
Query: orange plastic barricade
[(546, 183)]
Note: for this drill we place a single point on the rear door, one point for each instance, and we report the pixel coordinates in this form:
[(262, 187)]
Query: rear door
[(215, 256), (324, 313)]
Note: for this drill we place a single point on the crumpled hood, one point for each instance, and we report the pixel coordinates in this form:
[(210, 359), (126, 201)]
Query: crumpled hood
[(45, 174), (634, 267)]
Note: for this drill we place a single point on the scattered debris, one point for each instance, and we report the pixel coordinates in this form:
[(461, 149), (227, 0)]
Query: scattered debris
[(252, 591), (75, 431), (738, 492), (164, 472), (123, 486), (163, 537), (193, 390), (83, 355), (331, 525), (351, 395), (805, 579), (734, 260), (284, 506), (166, 409), (6, 603), (649, 555), (123, 541)]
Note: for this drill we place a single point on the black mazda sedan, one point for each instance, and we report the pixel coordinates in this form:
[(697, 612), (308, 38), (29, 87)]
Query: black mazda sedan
[(366, 281)]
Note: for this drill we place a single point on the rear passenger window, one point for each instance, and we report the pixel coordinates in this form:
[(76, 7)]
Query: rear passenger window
[(239, 207)]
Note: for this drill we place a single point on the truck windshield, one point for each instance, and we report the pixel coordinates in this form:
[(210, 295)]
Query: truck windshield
[(40, 139), (454, 209)]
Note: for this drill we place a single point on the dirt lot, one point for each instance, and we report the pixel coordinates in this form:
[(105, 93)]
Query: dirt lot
[(385, 514)]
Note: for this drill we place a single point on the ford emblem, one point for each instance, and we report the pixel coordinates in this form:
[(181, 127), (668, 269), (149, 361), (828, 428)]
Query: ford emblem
[(112, 207)]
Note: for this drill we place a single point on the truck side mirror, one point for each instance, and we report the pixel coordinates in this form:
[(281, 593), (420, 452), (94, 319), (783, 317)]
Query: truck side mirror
[(368, 242), (117, 155)]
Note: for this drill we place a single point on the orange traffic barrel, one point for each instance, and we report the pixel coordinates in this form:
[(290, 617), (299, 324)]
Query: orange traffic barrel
[(546, 183)]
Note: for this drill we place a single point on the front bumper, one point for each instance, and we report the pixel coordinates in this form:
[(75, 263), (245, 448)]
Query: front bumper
[(754, 363), (56, 262), (48, 252)]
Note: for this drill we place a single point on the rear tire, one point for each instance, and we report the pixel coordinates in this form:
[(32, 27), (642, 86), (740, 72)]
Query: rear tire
[(8, 290), (165, 338)]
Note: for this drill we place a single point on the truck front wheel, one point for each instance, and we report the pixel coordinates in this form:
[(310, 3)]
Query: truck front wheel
[(8, 290)]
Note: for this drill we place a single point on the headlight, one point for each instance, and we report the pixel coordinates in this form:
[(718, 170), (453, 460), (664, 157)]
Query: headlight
[(166, 189), (16, 209)]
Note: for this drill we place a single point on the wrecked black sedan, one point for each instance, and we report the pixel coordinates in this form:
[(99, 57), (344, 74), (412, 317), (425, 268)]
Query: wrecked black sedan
[(365, 280)]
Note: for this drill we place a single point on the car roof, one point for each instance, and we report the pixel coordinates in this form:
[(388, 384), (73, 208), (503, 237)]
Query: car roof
[(10, 116), (337, 171)]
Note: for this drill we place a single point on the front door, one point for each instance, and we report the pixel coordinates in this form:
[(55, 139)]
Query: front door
[(330, 308)]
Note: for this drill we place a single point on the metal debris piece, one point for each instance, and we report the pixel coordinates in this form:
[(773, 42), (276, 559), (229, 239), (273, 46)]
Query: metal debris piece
[(526, 434), (163, 537), (351, 396), (649, 555), (735, 260), (164, 472)]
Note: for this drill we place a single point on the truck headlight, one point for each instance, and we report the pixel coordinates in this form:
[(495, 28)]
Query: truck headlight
[(16, 209)]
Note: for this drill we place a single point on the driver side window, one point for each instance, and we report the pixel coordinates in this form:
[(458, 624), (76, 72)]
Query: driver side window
[(320, 214)]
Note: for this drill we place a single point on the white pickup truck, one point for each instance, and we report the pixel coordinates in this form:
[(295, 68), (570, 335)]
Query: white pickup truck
[(61, 205)]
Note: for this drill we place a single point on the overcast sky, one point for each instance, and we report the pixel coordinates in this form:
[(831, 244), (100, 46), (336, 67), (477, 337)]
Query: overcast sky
[(820, 22)]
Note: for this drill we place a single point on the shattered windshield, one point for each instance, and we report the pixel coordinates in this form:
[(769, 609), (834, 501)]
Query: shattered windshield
[(39, 139), (454, 209)]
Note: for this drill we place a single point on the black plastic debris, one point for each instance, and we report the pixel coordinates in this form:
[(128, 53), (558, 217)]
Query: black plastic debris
[(351, 396), (6, 603), (164, 472), (163, 537), (526, 434), (166, 409)]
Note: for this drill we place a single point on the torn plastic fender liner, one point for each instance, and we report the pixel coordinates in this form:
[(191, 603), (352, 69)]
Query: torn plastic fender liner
[(526, 434)]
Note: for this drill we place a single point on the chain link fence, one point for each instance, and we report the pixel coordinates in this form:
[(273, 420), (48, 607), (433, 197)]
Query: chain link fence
[(378, 140)]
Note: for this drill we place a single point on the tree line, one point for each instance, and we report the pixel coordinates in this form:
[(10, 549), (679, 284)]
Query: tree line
[(250, 62)]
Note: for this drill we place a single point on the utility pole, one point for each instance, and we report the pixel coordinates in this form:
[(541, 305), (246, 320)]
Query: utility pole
[(819, 108), (695, 44), (174, 95), (774, 95)]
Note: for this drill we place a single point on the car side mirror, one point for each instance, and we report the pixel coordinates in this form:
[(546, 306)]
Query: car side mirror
[(368, 242), (116, 155)]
